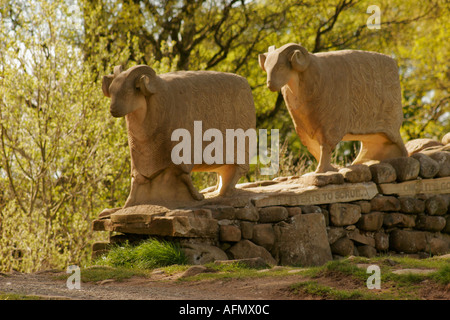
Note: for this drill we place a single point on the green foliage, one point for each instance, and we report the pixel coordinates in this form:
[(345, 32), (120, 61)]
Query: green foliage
[(149, 254), (63, 158)]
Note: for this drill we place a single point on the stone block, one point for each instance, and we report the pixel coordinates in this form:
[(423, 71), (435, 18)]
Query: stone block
[(428, 167), (370, 221), (443, 159), (367, 251), (360, 238), (293, 211), (247, 214), (416, 187), (411, 205), (385, 203), (406, 168), (229, 233), (342, 214), (382, 173), (438, 246), (303, 242), (245, 249), (335, 233), (356, 173), (436, 205), (447, 224), (343, 247), (321, 179), (417, 145), (264, 235), (247, 229), (311, 209), (408, 241), (396, 219), (178, 226), (222, 212), (273, 214), (381, 241), (430, 223), (200, 253), (365, 206)]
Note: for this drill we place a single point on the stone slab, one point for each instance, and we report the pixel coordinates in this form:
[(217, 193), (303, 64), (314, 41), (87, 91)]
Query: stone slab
[(410, 188), (323, 195)]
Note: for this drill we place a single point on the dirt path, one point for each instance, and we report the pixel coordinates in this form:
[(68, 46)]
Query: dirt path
[(44, 285), (166, 287)]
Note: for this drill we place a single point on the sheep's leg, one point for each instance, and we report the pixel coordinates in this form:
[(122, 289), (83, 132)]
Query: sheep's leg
[(325, 160), (228, 176), (138, 192), (186, 179)]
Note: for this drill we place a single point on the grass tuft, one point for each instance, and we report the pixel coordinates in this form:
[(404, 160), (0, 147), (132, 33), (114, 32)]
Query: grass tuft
[(149, 254)]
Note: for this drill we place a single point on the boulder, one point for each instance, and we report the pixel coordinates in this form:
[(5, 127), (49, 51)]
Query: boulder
[(199, 253), (356, 173), (229, 233), (438, 246), (247, 229), (436, 205), (245, 249), (247, 214), (417, 145), (365, 206), (361, 238), (343, 247), (411, 205), (342, 214), (293, 211), (428, 167), (321, 179), (335, 233), (447, 224), (382, 173), (430, 223), (263, 235), (367, 251), (408, 241), (370, 221), (396, 219), (385, 203), (273, 214), (443, 159), (381, 241), (303, 242), (406, 168)]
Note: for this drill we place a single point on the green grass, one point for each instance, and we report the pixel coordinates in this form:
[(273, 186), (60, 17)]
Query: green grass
[(316, 289), (149, 254), (11, 296)]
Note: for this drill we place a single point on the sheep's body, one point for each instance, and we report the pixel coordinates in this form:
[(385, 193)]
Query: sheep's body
[(219, 100), (345, 95)]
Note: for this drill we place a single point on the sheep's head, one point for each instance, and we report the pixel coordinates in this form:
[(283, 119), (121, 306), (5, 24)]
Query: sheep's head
[(128, 89), (280, 64)]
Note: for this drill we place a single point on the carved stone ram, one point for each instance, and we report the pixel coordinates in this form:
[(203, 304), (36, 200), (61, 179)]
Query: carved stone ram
[(340, 95), (156, 105)]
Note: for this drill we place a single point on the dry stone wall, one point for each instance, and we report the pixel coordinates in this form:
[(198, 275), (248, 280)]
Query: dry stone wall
[(397, 206)]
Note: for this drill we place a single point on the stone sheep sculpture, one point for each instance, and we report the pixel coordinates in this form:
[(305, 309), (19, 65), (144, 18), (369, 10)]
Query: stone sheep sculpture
[(156, 105), (341, 95)]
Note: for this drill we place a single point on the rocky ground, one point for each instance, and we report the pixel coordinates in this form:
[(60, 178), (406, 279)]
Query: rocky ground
[(50, 285)]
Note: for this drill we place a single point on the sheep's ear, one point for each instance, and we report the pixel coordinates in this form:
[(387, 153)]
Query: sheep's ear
[(106, 83), (299, 59), (146, 85), (262, 59)]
